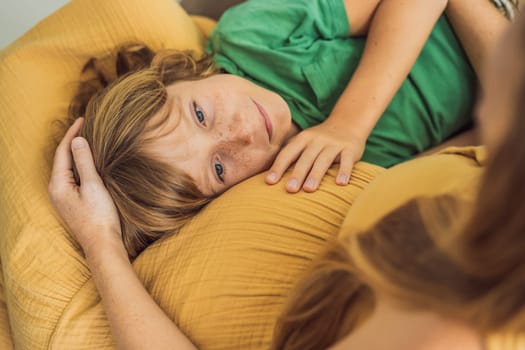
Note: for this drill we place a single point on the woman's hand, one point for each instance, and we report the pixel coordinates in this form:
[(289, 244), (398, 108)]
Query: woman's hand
[(87, 210), (314, 150), (92, 218)]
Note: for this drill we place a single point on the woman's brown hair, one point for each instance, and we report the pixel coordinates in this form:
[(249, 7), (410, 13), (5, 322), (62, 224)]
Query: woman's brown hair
[(398, 256), (118, 96), (422, 255), (492, 243)]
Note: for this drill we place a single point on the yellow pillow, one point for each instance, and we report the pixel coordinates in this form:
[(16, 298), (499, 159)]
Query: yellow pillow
[(454, 171), (223, 279)]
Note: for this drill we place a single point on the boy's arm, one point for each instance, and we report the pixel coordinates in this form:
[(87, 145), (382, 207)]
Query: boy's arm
[(397, 31)]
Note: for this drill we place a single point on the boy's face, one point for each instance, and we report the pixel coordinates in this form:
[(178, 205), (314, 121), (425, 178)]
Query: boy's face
[(220, 130)]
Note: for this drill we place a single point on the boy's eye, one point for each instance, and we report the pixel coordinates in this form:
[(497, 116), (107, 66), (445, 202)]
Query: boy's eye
[(199, 114), (219, 170)]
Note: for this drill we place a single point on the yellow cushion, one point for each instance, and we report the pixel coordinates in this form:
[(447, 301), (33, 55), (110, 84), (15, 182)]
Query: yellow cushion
[(454, 171), (223, 279), (505, 342)]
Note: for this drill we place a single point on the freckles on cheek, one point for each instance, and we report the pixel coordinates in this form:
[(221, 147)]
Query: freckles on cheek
[(243, 159), (246, 164)]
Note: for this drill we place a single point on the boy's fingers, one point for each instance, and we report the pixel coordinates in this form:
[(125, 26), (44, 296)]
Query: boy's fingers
[(286, 156), (346, 164), (84, 161), (319, 169), (63, 161), (302, 167)]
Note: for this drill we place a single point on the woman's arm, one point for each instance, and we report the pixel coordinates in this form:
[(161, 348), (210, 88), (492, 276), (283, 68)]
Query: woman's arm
[(136, 321), (397, 31), (395, 328), (478, 25)]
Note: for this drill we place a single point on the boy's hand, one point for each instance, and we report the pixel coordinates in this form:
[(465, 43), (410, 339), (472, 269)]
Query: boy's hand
[(315, 150)]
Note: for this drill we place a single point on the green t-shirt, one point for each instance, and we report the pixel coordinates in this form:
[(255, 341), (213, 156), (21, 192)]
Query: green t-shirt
[(301, 49)]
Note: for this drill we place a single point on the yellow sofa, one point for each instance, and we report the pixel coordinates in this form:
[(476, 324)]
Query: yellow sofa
[(223, 279)]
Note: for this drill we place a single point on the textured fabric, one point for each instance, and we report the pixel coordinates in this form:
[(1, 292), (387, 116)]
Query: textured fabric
[(454, 172), (508, 7), (225, 277), (505, 342), (313, 58)]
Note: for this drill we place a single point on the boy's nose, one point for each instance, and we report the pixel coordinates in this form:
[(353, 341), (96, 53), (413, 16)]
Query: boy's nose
[(240, 131), (243, 135)]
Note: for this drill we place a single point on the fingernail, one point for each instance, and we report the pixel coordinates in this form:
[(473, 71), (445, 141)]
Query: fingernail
[(77, 143), (272, 177), (293, 184), (342, 179), (310, 184)]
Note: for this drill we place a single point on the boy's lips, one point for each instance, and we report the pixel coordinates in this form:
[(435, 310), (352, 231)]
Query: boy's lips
[(266, 119)]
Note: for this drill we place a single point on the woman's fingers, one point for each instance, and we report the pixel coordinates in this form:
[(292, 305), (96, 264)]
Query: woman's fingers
[(62, 163), (87, 210), (84, 162)]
